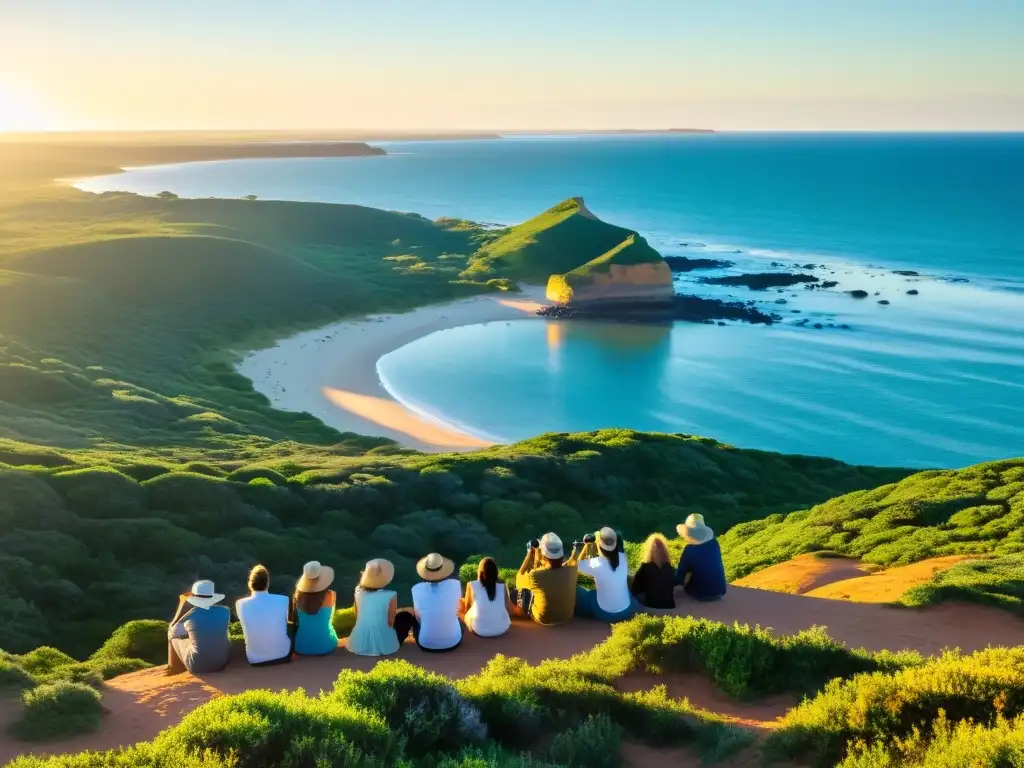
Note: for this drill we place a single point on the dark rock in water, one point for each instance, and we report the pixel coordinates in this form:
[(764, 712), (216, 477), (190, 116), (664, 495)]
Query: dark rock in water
[(781, 301), (845, 327), (795, 311), (694, 309), (830, 284), (956, 280), (878, 293), (818, 325), (683, 264), (884, 301), (780, 290), (913, 292), (759, 281), (720, 322), (777, 264), (858, 294), (692, 245), (906, 272), (808, 266)]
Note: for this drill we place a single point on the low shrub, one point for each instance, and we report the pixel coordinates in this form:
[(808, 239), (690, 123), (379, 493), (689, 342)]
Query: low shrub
[(594, 743), (880, 707), (13, 677), (144, 639), (58, 710), (997, 581)]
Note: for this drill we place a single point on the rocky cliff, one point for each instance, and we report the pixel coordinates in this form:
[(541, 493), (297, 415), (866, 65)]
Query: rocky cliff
[(631, 273)]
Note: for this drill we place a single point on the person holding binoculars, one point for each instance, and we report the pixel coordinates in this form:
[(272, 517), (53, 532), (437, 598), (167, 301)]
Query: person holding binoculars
[(603, 558), (546, 583)]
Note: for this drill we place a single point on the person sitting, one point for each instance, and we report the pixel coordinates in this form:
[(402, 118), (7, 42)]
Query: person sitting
[(487, 603), (198, 634), (434, 620), (313, 610), (264, 620), (546, 583), (655, 579), (376, 607), (604, 560), (701, 571)]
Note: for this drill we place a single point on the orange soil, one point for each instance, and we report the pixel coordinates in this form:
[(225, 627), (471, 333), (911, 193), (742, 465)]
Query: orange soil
[(886, 586), (804, 573), (143, 703)]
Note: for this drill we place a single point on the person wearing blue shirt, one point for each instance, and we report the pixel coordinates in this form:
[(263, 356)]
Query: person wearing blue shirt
[(701, 571), (198, 634)]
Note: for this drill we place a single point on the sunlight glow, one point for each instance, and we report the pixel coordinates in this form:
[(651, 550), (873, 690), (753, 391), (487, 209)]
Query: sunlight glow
[(21, 111)]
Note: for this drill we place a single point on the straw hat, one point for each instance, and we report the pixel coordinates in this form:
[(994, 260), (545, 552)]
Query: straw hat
[(203, 596), (377, 574), (694, 530), (433, 567), (315, 577), (608, 539), (551, 546)]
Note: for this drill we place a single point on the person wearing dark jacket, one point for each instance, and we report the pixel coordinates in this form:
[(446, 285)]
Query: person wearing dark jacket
[(655, 579), (701, 571)]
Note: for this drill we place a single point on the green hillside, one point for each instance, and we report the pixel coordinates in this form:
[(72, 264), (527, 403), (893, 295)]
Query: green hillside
[(630, 252), (977, 510), (557, 241)]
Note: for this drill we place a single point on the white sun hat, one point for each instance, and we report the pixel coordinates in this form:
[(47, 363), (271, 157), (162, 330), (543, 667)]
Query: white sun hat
[(695, 531), (608, 539), (551, 546), (203, 595)]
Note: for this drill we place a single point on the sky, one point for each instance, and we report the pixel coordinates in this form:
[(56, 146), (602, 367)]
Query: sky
[(514, 64)]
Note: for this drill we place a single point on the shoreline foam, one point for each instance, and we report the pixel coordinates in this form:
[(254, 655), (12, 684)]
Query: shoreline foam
[(331, 372)]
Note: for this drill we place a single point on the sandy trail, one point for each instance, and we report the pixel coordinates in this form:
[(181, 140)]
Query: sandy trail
[(331, 372), (144, 703)]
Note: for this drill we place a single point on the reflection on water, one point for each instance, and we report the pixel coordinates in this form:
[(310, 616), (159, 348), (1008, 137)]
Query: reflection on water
[(885, 396)]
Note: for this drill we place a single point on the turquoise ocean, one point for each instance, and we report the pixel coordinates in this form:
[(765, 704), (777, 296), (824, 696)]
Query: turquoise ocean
[(928, 380)]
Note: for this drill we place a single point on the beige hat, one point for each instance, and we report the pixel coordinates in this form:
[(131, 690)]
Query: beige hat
[(315, 577), (433, 567), (608, 539), (203, 596), (551, 546), (377, 574), (694, 530)]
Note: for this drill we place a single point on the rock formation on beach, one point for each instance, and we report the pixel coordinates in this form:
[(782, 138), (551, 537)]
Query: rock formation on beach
[(632, 273)]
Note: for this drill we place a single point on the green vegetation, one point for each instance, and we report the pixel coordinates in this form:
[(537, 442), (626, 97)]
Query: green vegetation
[(58, 710), (92, 539), (558, 240), (977, 510), (631, 251)]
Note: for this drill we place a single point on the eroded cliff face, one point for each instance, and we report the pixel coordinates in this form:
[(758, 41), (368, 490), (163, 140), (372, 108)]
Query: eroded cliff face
[(633, 284)]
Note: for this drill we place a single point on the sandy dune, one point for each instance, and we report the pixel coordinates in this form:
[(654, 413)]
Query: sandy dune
[(144, 703)]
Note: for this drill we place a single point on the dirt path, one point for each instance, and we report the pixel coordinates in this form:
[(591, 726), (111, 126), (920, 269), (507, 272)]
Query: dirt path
[(144, 703)]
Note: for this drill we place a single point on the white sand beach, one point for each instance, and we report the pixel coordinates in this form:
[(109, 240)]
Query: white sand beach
[(331, 372)]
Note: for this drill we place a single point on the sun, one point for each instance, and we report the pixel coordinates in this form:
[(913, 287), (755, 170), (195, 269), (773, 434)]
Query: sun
[(21, 111)]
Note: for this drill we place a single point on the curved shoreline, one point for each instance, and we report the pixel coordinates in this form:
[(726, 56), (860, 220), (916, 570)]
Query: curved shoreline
[(331, 372)]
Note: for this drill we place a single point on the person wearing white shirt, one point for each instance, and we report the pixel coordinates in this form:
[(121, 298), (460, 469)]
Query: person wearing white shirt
[(434, 620), (487, 602), (264, 619), (611, 599)]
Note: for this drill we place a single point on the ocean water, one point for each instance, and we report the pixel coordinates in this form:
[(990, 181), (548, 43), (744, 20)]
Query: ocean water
[(934, 379)]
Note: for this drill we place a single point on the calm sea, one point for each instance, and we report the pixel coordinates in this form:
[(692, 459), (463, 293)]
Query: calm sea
[(934, 379)]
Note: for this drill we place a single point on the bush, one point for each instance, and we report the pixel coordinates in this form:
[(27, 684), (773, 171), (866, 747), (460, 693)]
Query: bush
[(881, 707), (592, 744), (248, 474), (100, 493), (58, 710), (13, 677), (426, 708), (144, 639)]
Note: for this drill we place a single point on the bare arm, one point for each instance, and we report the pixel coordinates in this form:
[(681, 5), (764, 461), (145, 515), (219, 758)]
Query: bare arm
[(528, 561), (392, 610)]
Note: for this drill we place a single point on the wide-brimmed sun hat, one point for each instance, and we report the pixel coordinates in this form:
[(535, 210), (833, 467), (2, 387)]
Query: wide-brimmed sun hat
[(203, 595), (608, 539), (433, 567), (694, 530), (377, 574), (315, 577), (551, 546)]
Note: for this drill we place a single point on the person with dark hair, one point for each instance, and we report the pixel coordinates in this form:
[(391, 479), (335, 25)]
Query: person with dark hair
[(434, 619), (610, 600), (701, 571), (197, 638), (313, 611), (487, 604), (546, 583), (264, 620), (376, 609)]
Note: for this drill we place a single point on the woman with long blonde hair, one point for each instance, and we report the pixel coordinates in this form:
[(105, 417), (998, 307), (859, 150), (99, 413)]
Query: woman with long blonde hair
[(654, 581)]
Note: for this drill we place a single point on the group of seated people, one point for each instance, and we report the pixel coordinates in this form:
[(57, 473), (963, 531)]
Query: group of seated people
[(277, 628)]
